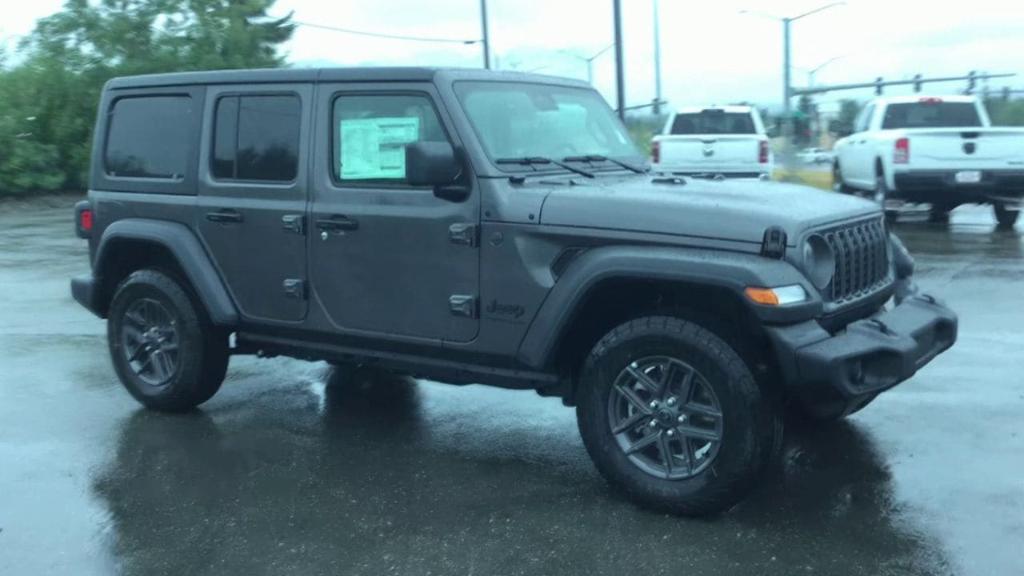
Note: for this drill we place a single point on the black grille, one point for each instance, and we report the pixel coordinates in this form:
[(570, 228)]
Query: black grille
[(862, 259)]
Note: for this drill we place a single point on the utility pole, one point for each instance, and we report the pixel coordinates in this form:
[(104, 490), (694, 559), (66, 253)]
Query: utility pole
[(786, 82), (620, 83), (486, 35), (657, 62)]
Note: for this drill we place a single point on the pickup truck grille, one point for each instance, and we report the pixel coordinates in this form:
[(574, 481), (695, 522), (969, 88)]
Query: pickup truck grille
[(862, 260)]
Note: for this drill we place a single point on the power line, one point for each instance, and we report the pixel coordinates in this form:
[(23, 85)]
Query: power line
[(382, 35)]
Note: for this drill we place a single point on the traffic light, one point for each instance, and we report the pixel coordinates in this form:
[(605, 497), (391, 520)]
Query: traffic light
[(878, 86), (971, 82), (917, 82)]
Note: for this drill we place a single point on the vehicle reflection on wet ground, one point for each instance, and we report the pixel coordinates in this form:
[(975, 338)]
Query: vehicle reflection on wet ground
[(300, 468)]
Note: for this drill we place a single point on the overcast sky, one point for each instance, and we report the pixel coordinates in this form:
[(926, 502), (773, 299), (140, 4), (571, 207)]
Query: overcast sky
[(710, 52)]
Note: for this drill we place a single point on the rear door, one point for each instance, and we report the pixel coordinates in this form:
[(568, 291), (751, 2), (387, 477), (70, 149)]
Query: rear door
[(857, 159), (253, 196), (388, 258)]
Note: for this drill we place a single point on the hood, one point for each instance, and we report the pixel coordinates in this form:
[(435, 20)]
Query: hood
[(738, 210)]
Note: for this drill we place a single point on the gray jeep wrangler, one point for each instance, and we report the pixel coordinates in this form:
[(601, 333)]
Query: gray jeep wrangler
[(499, 228)]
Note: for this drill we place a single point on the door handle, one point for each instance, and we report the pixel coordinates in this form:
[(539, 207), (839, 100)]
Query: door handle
[(224, 216), (337, 224)]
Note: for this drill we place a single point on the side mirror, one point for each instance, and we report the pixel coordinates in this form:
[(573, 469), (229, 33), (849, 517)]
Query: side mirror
[(841, 129), (437, 165)]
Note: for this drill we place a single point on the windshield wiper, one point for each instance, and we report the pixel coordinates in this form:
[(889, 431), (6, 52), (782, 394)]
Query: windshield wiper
[(531, 160), (600, 158)]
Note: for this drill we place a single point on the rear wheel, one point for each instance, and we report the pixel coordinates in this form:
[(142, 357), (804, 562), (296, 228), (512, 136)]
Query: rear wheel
[(837, 180), (939, 213), (881, 194), (1004, 216), (671, 415), (164, 350)]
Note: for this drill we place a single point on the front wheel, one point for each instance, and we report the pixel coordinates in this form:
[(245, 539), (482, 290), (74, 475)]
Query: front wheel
[(672, 415), (164, 350), (1004, 216)]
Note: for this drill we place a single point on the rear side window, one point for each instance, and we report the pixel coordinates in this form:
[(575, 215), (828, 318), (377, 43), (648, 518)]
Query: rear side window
[(256, 138), (148, 137), (714, 122), (931, 114)]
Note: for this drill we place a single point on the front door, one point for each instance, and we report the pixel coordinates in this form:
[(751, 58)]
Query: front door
[(253, 196), (387, 258)]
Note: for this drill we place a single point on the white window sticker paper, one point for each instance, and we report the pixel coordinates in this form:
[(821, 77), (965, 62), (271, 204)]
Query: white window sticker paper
[(375, 147)]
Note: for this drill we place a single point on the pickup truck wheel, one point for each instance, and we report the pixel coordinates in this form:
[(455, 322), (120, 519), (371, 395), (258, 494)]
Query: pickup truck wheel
[(881, 192), (837, 181), (1005, 217), (672, 415), (164, 350), (939, 213)]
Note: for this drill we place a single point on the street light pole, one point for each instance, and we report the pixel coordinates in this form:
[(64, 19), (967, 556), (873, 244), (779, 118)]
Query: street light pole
[(787, 87), (786, 69), (486, 35), (620, 83), (657, 62)]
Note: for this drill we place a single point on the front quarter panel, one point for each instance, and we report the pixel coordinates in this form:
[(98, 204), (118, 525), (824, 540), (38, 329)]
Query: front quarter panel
[(694, 266)]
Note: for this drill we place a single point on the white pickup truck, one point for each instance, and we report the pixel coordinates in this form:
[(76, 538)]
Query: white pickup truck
[(723, 140), (939, 150)]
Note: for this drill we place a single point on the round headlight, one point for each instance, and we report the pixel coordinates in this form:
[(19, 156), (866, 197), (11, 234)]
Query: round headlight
[(819, 261)]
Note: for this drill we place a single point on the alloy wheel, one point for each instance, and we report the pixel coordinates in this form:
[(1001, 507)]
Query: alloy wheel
[(665, 417), (150, 341)]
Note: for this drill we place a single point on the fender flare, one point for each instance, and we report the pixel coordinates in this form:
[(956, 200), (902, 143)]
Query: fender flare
[(186, 249), (733, 271)]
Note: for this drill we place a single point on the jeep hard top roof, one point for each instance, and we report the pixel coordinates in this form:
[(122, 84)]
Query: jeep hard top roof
[(316, 75)]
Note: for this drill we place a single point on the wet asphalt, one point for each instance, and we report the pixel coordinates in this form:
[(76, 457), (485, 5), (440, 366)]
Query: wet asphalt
[(295, 469)]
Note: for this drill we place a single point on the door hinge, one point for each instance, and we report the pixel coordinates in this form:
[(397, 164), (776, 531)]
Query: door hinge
[(294, 223), (295, 288), (463, 305), (464, 234)]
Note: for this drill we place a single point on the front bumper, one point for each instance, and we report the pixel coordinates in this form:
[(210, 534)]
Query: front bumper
[(941, 186), (835, 373)]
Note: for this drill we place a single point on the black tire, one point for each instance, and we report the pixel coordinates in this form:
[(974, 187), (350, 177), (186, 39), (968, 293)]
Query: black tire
[(749, 425), (837, 180), (939, 213), (880, 193), (178, 362), (1005, 218)]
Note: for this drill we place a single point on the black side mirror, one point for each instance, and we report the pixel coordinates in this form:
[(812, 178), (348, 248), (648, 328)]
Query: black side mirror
[(841, 129), (438, 165)]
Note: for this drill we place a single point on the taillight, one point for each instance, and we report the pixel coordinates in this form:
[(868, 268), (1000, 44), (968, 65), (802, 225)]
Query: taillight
[(762, 152), (655, 152), (84, 219), (901, 152)]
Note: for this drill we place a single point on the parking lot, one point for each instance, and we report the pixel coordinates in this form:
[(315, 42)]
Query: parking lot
[(293, 469)]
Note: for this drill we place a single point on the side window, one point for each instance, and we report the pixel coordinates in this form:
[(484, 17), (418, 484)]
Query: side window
[(148, 137), (370, 132), (864, 120), (256, 138)]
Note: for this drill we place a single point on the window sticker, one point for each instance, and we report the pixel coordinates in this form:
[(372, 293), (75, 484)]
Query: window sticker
[(375, 147)]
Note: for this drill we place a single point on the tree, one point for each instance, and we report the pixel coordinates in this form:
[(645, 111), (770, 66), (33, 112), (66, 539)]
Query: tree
[(849, 109), (1005, 112), (71, 54)]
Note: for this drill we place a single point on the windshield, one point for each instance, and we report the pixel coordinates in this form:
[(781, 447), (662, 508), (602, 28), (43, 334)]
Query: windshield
[(931, 115), (714, 122), (522, 120)]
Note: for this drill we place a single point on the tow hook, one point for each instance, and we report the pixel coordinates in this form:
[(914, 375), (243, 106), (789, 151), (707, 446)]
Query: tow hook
[(881, 326)]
